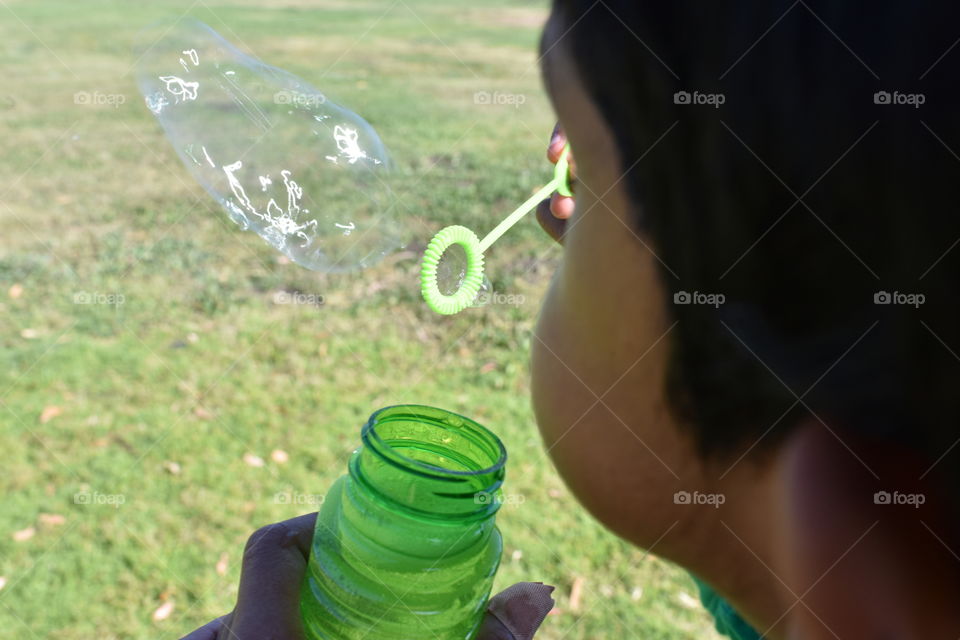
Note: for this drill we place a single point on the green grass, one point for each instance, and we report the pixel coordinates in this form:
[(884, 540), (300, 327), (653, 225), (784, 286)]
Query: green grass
[(199, 367)]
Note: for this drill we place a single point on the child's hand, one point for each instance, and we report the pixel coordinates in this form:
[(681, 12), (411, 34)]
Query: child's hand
[(274, 563), (553, 213)]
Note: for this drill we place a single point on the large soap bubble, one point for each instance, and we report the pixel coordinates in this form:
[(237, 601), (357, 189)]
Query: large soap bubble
[(309, 176)]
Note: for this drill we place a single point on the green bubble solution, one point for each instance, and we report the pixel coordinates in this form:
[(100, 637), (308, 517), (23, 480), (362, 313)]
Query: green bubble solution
[(405, 545)]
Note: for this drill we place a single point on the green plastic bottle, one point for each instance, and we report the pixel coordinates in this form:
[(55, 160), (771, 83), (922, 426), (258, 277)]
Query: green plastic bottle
[(405, 546)]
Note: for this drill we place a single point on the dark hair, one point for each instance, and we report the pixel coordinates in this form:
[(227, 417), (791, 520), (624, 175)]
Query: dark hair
[(804, 116)]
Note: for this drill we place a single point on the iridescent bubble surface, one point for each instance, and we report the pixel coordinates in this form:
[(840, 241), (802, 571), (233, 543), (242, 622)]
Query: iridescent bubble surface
[(309, 176), (451, 272)]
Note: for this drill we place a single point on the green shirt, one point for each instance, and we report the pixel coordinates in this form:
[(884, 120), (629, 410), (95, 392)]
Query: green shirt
[(728, 621)]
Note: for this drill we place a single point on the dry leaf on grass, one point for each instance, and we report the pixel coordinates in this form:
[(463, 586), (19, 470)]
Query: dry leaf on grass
[(252, 460), (163, 611), (688, 600), (222, 564), (24, 534), (49, 413), (51, 519), (576, 592)]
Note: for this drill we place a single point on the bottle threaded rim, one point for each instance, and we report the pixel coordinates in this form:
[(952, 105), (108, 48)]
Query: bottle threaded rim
[(485, 442)]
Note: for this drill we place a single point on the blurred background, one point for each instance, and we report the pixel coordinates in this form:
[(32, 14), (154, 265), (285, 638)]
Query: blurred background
[(170, 383)]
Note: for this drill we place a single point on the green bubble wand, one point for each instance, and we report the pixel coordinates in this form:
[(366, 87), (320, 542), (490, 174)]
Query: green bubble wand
[(474, 247)]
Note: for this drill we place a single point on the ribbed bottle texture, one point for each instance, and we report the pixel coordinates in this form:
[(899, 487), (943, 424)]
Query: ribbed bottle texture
[(405, 545)]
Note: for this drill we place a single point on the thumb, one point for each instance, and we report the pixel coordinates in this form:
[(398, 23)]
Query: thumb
[(274, 562), (516, 612)]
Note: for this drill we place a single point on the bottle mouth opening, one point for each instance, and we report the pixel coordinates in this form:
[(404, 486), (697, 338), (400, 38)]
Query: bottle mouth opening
[(434, 442)]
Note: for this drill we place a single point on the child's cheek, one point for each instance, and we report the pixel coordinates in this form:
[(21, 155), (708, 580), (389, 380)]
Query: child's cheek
[(563, 403)]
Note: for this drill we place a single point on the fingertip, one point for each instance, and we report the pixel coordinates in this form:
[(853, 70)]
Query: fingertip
[(522, 608), (562, 206), (549, 222), (555, 150), (558, 141)]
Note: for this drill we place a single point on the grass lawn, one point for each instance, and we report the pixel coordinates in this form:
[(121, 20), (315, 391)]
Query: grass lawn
[(143, 434)]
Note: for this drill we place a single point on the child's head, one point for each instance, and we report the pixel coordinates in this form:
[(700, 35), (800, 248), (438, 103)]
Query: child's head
[(761, 270)]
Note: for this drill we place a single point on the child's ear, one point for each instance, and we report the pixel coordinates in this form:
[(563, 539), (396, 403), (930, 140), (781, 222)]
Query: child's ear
[(861, 560)]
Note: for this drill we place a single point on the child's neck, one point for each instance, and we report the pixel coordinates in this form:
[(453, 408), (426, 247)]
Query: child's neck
[(732, 547)]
